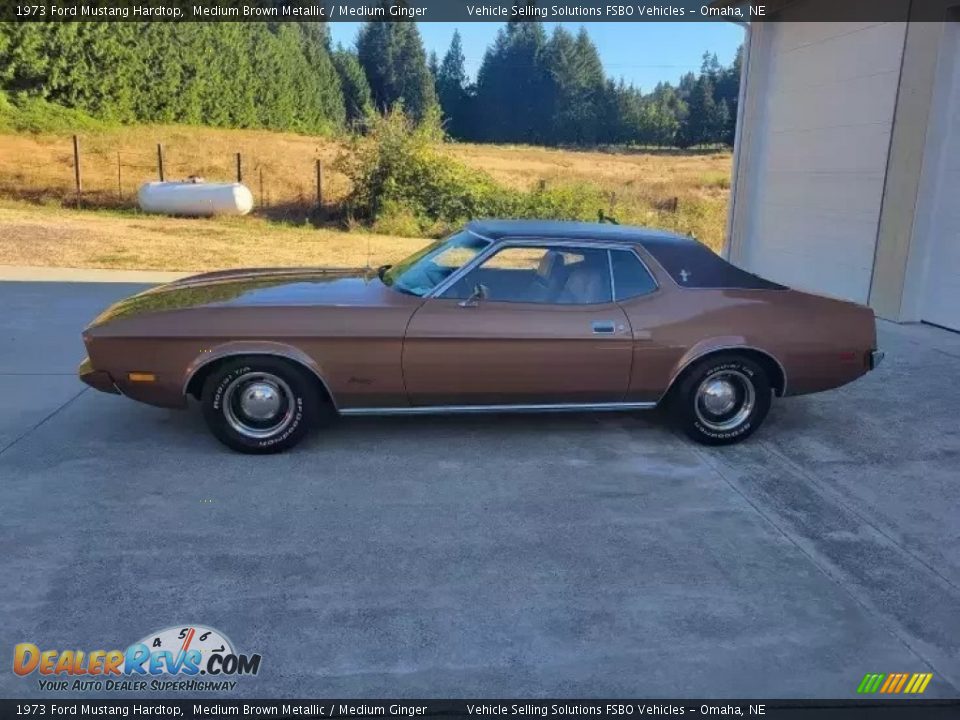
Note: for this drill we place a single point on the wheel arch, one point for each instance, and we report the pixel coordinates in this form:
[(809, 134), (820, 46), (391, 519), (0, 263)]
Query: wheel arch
[(201, 368), (767, 360)]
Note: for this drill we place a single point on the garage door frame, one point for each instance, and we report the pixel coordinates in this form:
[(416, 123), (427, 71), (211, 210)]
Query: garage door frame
[(930, 194)]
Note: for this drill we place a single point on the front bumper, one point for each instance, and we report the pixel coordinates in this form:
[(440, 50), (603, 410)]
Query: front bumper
[(875, 358), (97, 379)]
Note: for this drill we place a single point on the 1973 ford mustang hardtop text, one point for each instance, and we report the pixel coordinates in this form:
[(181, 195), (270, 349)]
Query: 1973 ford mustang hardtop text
[(501, 316)]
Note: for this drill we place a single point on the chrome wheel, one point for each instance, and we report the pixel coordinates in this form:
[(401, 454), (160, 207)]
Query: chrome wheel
[(258, 405), (724, 400)]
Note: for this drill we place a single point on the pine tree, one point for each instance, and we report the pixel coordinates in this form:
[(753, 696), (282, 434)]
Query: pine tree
[(723, 124), (23, 62), (353, 83), (710, 66), (727, 90), (325, 99), (577, 85), (513, 86), (160, 75), (394, 61), (451, 79)]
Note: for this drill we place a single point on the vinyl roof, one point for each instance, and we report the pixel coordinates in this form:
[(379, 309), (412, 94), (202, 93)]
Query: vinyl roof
[(582, 231), (690, 263)]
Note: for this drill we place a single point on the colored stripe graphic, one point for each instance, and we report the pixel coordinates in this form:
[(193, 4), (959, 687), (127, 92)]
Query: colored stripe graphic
[(918, 683), (903, 680), (894, 683), (870, 683)]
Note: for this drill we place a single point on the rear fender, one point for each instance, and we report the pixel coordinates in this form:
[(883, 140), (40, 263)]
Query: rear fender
[(719, 344)]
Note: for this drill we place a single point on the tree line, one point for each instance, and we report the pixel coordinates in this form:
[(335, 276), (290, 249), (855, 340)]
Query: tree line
[(272, 75), (553, 91), (530, 88)]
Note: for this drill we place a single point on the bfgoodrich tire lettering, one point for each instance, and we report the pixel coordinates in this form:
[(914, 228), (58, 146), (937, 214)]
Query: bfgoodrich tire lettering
[(260, 404), (722, 400)]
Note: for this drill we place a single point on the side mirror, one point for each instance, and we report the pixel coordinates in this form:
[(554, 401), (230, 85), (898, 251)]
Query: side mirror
[(479, 293)]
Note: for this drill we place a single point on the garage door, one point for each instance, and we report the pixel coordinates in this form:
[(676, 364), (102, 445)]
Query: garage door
[(818, 158), (941, 302)]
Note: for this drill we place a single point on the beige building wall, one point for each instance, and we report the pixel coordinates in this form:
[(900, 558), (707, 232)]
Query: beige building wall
[(833, 154), (821, 100), (918, 248)]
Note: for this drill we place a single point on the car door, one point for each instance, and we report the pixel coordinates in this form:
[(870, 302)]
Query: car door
[(543, 329), (653, 318)]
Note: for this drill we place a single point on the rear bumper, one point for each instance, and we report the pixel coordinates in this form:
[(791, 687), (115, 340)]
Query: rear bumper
[(875, 358), (97, 379)]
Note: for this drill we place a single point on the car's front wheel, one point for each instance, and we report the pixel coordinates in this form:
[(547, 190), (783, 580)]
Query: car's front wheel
[(722, 400), (260, 404)]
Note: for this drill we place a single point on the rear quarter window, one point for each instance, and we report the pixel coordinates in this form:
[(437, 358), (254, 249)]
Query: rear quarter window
[(630, 277)]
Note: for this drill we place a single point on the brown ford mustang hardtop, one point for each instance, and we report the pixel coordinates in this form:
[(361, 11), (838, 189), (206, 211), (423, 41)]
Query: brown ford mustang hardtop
[(505, 315)]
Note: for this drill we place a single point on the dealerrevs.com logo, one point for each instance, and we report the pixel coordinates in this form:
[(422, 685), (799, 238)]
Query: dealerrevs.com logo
[(189, 658)]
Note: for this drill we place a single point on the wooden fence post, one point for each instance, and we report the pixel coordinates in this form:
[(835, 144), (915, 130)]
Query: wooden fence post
[(160, 160), (76, 166), (239, 169), (319, 183), (261, 188), (119, 182)]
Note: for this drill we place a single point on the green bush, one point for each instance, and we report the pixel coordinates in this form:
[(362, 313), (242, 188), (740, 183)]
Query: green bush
[(394, 219), (405, 184), (399, 171), (23, 113), (577, 201)]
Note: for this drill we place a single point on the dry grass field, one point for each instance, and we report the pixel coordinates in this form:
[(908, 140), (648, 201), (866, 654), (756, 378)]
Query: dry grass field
[(42, 235), (40, 226)]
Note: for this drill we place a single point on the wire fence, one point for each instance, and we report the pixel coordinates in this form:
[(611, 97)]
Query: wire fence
[(290, 180), (100, 177)]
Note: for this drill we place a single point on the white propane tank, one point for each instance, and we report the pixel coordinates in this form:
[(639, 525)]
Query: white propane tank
[(198, 199)]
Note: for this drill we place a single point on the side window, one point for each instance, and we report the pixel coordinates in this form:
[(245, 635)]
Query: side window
[(630, 278), (559, 276)]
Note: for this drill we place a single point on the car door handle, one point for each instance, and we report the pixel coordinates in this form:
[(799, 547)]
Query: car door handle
[(604, 327)]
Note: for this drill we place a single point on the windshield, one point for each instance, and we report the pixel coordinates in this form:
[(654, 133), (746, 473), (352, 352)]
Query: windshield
[(424, 270)]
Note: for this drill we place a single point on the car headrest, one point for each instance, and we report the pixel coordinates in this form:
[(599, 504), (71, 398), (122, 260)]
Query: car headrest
[(550, 263), (585, 286)]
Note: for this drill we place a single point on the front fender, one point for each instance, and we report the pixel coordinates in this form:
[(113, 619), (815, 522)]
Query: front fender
[(252, 347)]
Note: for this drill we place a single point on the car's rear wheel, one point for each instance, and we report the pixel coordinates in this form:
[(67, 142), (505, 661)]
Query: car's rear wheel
[(722, 400), (260, 404)]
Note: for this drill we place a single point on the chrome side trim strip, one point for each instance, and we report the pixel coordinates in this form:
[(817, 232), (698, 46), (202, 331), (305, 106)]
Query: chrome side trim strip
[(290, 357), (484, 409), (478, 235), (613, 282)]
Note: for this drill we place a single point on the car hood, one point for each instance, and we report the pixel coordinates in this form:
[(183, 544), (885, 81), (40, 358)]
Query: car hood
[(258, 287)]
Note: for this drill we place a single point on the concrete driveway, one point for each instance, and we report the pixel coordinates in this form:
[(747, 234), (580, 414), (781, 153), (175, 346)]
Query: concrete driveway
[(586, 555)]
